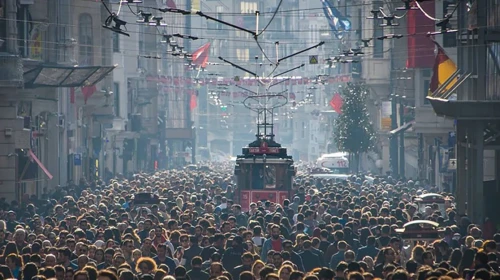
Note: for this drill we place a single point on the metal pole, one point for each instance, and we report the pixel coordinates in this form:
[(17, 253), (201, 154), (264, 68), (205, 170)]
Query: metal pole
[(402, 161), (393, 148), (421, 158)]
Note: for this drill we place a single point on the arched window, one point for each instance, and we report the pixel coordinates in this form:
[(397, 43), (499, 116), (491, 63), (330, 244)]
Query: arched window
[(85, 40)]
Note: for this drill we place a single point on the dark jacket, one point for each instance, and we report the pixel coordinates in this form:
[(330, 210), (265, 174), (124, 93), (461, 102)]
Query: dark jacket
[(336, 259), (167, 261), (297, 260), (232, 257), (198, 274), (190, 253), (371, 251), (320, 255), (238, 270), (310, 260)]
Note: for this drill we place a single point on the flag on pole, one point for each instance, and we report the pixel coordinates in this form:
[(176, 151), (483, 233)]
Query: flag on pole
[(193, 102), (88, 92), (443, 69), (200, 56), (338, 23), (336, 103)]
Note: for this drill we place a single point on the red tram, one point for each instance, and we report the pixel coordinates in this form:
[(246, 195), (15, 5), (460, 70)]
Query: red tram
[(264, 172)]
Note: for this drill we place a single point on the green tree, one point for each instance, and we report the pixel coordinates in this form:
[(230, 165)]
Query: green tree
[(354, 132)]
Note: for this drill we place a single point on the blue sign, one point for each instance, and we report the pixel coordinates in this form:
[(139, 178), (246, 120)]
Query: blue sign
[(77, 159)]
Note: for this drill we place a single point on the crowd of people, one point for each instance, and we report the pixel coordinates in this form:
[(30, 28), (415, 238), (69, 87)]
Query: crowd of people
[(325, 230)]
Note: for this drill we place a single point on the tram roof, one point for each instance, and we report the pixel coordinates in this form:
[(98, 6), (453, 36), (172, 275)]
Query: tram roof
[(267, 160)]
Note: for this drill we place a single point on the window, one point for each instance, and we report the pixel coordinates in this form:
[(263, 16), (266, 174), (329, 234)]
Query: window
[(116, 101), (243, 54), (116, 42), (212, 25), (85, 40), (378, 31), (248, 7), (450, 39)]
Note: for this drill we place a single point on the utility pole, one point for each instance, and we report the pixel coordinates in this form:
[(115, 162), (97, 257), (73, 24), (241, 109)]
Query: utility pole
[(402, 161), (187, 47), (393, 151)]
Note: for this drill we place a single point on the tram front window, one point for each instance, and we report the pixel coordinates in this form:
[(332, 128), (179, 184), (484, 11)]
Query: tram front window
[(263, 177)]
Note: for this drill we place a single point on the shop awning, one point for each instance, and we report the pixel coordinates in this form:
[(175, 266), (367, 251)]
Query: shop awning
[(466, 109), (40, 164), (401, 129), (65, 76)]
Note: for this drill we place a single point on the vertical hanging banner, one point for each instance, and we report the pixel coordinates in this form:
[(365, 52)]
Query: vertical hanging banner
[(385, 116)]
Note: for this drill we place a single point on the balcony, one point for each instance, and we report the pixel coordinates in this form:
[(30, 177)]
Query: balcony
[(11, 71)]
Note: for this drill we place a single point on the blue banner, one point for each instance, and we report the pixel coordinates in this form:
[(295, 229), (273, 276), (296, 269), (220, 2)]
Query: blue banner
[(338, 23)]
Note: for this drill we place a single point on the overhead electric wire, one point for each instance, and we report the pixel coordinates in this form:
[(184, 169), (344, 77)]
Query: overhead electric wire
[(119, 8), (100, 47), (271, 20), (436, 19), (204, 28), (132, 11)]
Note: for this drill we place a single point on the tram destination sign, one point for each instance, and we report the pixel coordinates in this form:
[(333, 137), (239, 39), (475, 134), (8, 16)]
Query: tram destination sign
[(264, 150)]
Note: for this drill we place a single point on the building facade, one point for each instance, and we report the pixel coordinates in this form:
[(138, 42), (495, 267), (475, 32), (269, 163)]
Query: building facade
[(39, 57)]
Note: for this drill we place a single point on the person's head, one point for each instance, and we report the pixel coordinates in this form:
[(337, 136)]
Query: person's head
[(285, 272), (81, 275), (349, 256), (342, 245), (428, 258), (481, 258), (146, 265), (247, 259), (161, 250), (400, 274), (273, 276), (277, 259), (216, 269), (355, 276), (297, 275), (275, 231), (258, 265), (287, 246), (196, 262)]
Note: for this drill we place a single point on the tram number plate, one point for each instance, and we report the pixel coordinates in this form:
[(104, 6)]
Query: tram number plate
[(262, 150)]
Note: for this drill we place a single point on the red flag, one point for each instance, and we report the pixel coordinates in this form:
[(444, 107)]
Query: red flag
[(336, 102), (72, 95), (200, 56), (193, 102), (171, 4), (88, 92), (420, 49)]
